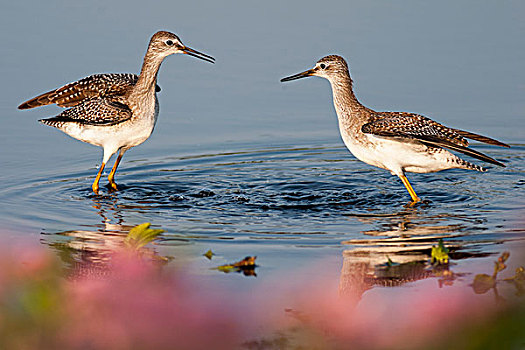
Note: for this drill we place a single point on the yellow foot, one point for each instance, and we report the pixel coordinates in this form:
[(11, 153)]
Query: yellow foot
[(413, 203), (113, 186), (111, 175), (95, 189)]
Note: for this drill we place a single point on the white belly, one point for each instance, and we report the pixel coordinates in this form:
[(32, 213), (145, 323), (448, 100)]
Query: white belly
[(398, 157), (127, 134), (124, 135)]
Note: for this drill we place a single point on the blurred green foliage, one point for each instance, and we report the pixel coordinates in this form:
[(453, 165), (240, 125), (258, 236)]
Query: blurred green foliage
[(141, 235), (439, 254), (31, 304), (209, 254)]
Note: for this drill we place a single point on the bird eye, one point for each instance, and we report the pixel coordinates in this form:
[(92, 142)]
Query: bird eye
[(322, 65), (169, 42)]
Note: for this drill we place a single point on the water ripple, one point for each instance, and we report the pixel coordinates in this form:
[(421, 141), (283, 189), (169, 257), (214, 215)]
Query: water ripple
[(319, 192)]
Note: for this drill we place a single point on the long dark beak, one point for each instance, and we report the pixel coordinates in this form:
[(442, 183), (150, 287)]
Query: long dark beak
[(195, 53), (304, 74)]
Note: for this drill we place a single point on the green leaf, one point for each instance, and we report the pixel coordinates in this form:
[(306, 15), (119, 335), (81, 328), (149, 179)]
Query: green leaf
[(520, 274), (504, 257), (246, 265), (227, 268), (141, 235), (499, 265), (388, 264), (209, 254), (439, 254), (518, 280), (483, 283)]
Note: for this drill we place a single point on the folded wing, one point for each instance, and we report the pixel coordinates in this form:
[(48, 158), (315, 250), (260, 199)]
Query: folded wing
[(427, 131), (102, 112), (94, 86)]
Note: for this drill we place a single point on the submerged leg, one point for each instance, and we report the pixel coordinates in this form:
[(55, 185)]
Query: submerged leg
[(409, 188), (111, 175), (97, 179)]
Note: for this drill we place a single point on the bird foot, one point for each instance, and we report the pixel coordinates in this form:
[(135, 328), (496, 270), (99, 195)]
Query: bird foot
[(95, 189), (412, 204), (113, 186), (419, 202)]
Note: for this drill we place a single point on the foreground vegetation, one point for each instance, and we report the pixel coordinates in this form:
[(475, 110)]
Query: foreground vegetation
[(138, 300)]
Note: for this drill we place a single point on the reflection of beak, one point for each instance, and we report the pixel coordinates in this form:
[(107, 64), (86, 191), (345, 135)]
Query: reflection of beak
[(195, 53), (304, 74)]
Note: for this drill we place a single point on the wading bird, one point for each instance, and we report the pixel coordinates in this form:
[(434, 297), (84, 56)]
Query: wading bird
[(396, 141), (115, 111)]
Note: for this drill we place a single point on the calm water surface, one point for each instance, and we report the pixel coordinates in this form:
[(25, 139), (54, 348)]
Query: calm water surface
[(243, 165)]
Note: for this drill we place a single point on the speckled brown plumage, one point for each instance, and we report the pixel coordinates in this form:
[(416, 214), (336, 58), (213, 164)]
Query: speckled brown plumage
[(427, 131), (409, 125), (108, 85), (101, 111), (395, 141), (357, 120), (115, 111)]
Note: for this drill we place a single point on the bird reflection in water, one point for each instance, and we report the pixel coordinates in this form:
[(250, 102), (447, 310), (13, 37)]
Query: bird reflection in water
[(399, 251), (88, 252)]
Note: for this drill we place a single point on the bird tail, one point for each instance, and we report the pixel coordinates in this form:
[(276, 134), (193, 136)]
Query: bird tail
[(469, 166), (40, 100), (480, 138), (468, 151), (54, 122)]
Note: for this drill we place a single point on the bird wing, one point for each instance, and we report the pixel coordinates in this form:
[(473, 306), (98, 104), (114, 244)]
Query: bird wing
[(94, 86), (480, 138), (427, 131), (104, 112)]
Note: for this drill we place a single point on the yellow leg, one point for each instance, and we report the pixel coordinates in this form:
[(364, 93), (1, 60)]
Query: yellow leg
[(97, 179), (111, 175), (409, 188)]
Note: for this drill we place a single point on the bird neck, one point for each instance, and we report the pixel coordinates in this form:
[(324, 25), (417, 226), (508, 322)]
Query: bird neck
[(148, 74), (345, 102)]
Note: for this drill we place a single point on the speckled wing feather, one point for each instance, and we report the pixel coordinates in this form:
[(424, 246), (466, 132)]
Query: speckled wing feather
[(94, 86), (103, 112), (425, 130), (480, 138), (410, 125)]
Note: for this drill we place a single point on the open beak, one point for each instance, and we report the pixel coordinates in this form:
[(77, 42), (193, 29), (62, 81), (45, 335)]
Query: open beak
[(304, 74), (195, 53)]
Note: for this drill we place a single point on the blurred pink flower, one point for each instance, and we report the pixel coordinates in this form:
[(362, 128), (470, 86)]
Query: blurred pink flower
[(136, 304), (139, 306)]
